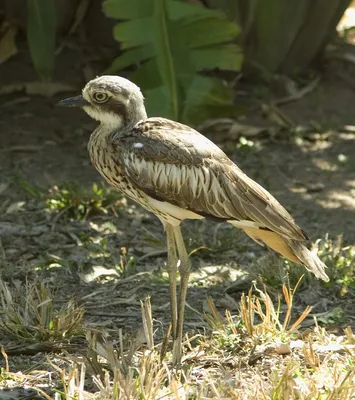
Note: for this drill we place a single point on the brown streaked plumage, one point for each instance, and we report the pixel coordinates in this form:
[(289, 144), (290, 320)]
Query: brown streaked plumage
[(177, 173)]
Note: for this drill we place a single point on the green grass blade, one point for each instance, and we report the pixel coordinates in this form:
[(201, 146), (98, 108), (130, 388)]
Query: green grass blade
[(41, 30)]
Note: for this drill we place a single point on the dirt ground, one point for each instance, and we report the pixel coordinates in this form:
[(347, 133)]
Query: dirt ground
[(312, 175)]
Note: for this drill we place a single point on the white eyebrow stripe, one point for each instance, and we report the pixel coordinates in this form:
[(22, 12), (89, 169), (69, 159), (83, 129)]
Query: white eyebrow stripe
[(138, 145)]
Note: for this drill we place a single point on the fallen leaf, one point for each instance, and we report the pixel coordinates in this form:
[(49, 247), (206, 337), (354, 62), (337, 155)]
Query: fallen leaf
[(277, 348), (15, 207), (10, 229), (97, 271), (282, 348)]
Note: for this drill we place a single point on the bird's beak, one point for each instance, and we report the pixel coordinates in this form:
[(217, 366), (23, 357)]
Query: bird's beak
[(77, 101)]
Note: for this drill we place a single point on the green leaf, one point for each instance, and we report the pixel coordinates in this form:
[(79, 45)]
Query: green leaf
[(157, 102), (208, 31), (226, 57), (165, 57), (131, 57), (134, 33), (147, 75), (41, 30), (207, 98), (179, 10), (212, 90), (172, 41), (131, 9)]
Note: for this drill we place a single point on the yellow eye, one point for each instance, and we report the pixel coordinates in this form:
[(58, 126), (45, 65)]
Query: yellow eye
[(100, 97)]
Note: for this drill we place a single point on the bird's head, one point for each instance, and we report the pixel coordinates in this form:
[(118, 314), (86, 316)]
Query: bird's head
[(112, 100)]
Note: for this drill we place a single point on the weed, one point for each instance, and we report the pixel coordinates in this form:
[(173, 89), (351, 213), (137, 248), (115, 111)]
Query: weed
[(76, 202), (213, 239), (236, 361), (269, 315), (117, 258), (274, 271), (29, 189), (27, 314), (73, 201), (128, 264), (340, 261)]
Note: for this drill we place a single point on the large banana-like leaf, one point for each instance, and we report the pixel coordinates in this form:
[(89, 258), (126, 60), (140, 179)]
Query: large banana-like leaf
[(41, 35), (170, 42)]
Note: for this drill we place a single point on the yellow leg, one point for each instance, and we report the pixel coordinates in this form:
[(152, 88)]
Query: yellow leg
[(184, 269), (172, 267)]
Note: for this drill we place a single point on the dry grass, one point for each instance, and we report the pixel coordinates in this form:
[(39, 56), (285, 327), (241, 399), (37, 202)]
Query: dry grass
[(259, 353), (272, 346), (28, 313)]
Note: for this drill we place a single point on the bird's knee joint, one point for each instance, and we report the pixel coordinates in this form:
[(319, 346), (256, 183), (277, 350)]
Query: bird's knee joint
[(184, 266)]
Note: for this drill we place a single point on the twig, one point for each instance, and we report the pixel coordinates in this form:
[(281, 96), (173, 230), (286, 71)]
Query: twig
[(147, 322), (9, 229), (297, 95), (152, 254)]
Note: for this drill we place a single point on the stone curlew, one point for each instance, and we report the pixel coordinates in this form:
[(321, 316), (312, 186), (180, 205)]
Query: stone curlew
[(177, 173)]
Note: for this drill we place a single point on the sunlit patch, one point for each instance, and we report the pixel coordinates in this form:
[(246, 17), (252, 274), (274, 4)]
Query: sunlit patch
[(337, 199), (325, 165), (348, 19)]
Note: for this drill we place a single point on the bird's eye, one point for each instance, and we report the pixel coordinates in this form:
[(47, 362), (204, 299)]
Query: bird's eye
[(100, 97)]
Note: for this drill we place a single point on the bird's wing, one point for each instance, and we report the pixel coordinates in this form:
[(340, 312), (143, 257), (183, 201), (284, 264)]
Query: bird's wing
[(174, 163)]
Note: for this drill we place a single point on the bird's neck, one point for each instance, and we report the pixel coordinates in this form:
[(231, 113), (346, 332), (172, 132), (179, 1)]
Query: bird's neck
[(138, 113), (123, 121), (116, 125)]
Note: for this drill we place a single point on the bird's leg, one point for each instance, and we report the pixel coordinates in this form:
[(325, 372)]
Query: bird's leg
[(172, 267), (184, 269)]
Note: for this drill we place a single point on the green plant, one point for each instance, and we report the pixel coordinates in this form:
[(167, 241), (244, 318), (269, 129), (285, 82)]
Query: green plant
[(72, 200), (28, 314), (41, 29), (340, 261), (77, 202), (29, 189), (172, 42), (283, 37), (128, 264)]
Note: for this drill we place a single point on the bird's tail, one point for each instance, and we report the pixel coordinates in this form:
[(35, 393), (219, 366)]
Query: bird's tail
[(292, 249), (309, 259)]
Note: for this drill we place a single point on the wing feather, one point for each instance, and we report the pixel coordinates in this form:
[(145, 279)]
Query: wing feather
[(178, 165)]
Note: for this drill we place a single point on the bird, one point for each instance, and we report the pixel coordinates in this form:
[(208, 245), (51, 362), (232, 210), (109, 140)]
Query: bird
[(177, 173)]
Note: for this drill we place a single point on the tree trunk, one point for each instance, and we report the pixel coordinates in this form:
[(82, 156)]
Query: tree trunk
[(283, 36)]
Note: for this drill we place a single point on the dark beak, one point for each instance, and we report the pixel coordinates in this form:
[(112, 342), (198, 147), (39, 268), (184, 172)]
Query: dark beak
[(77, 101)]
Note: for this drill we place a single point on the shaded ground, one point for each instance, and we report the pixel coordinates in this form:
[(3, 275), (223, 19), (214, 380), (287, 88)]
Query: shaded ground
[(313, 175)]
